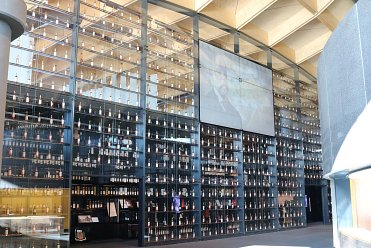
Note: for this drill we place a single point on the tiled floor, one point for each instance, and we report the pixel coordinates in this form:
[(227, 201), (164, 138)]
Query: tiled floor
[(314, 236)]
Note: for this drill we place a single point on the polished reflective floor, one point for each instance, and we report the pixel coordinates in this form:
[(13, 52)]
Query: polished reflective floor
[(313, 236)]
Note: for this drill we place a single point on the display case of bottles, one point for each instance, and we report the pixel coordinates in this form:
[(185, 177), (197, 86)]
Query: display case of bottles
[(172, 187), (104, 168), (30, 226), (311, 134), (260, 183), (31, 230), (107, 122), (172, 180), (289, 152), (222, 205), (34, 216)]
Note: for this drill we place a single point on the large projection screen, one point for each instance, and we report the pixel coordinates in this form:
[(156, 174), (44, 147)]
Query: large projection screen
[(235, 92)]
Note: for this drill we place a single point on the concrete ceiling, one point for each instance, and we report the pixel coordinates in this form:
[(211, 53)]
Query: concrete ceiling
[(297, 29)]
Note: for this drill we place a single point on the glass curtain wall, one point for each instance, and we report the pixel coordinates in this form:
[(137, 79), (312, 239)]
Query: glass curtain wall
[(35, 171), (102, 136), (107, 122), (172, 170)]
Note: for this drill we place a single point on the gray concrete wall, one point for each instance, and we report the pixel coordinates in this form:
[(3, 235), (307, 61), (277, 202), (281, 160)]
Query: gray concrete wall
[(344, 79)]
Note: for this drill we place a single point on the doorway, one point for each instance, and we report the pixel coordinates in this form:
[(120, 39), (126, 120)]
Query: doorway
[(314, 204)]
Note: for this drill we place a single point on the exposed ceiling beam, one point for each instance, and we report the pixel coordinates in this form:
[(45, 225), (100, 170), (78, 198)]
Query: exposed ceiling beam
[(310, 5), (220, 14), (189, 4), (327, 18), (285, 51), (312, 48), (254, 31), (260, 56), (199, 5), (289, 27), (309, 67), (250, 10), (124, 2)]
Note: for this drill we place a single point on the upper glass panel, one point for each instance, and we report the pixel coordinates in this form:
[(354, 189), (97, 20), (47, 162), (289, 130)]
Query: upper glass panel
[(170, 62), (216, 36), (109, 52), (282, 66), (252, 52), (41, 56)]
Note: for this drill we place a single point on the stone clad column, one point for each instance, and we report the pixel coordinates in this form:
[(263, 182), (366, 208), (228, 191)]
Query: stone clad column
[(13, 15)]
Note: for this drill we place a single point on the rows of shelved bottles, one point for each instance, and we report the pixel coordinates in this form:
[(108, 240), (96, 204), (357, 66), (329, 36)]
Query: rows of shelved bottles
[(36, 129), (107, 119), (222, 209), (311, 134), (34, 136), (171, 178), (105, 161), (260, 182), (289, 154), (172, 174)]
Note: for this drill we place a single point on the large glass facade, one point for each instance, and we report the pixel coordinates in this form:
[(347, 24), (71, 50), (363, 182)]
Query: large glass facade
[(103, 138)]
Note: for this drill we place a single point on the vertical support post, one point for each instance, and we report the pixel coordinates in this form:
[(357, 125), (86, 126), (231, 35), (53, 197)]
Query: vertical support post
[(69, 118), (196, 76), (241, 185), (269, 59), (236, 42), (142, 128)]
